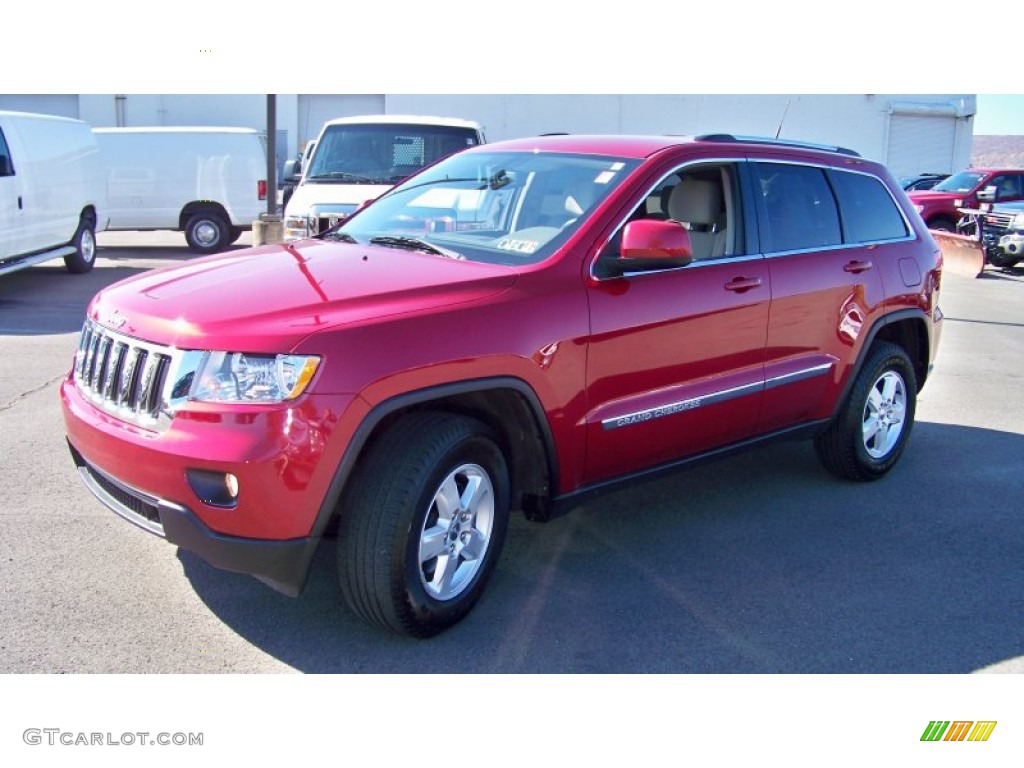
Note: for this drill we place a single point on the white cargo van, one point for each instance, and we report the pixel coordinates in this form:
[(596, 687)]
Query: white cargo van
[(357, 159), (206, 182), (52, 196)]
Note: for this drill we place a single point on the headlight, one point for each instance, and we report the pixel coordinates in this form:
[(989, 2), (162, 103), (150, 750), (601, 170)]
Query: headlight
[(919, 208), (1018, 221), (296, 227), (234, 377)]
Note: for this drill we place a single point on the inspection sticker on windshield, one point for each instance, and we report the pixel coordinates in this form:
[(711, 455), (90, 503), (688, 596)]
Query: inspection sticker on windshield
[(520, 246)]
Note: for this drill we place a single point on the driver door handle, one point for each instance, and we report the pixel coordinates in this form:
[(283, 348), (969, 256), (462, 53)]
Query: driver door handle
[(741, 284)]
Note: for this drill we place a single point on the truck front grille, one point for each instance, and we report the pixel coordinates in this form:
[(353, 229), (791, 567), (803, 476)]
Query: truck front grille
[(998, 221), (122, 376)]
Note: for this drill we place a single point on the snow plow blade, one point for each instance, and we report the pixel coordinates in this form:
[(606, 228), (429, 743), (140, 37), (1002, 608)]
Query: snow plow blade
[(961, 255)]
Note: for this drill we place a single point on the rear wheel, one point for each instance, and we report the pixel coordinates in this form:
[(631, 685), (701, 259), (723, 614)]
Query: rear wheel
[(84, 242), (207, 232), (423, 523), (868, 436)]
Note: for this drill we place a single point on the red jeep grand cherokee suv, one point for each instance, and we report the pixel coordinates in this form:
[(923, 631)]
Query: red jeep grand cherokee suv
[(517, 326)]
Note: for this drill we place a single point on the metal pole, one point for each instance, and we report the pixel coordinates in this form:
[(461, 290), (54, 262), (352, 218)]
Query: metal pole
[(271, 155)]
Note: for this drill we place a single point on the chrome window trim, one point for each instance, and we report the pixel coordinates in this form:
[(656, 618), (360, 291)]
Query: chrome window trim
[(910, 236)]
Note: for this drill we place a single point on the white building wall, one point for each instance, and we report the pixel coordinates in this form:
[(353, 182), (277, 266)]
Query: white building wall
[(860, 121)]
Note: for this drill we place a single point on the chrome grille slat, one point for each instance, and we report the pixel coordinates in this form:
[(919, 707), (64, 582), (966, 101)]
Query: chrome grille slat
[(127, 386), (124, 376)]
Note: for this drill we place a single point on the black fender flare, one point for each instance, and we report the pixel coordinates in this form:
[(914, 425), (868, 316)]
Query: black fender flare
[(407, 400)]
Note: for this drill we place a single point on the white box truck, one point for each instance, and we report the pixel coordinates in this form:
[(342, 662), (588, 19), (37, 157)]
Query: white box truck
[(52, 195), (357, 159), (208, 182)]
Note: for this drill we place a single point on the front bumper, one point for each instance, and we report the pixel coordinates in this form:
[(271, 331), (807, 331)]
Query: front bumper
[(282, 565), (285, 459)]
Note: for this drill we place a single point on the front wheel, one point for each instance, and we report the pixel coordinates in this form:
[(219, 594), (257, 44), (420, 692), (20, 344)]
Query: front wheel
[(84, 243), (423, 523), (207, 233), (1002, 260), (868, 436)]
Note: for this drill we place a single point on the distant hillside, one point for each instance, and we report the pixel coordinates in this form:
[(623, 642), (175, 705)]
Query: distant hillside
[(998, 151)]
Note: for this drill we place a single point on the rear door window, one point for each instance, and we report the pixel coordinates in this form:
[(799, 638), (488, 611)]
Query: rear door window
[(799, 208), (868, 211)]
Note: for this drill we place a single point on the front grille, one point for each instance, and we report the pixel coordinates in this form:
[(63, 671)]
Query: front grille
[(122, 376), (999, 220)]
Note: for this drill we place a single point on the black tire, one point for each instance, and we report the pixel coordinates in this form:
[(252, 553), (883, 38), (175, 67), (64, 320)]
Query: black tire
[(207, 232), (84, 242), (391, 523), (942, 225), (869, 434), (1003, 260), (236, 232)]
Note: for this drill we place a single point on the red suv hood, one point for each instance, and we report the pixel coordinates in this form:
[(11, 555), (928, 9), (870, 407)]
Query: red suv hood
[(267, 299), (930, 196)]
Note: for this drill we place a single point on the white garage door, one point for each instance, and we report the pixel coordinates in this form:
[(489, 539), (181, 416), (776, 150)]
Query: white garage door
[(317, 108), (921, 144)]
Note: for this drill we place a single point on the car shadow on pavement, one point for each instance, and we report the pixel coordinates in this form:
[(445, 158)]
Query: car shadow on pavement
[(761, 563), (47, 300)]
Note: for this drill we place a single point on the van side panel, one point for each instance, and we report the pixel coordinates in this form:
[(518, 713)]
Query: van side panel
[(152, 174)]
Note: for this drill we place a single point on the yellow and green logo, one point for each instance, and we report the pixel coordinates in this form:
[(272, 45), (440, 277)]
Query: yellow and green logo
[(959, 730)]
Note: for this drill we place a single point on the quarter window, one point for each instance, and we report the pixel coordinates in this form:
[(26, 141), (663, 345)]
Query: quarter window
[(799, 207), (6, 166), (869, 212)]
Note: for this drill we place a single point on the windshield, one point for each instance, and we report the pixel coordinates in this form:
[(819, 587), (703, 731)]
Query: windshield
[(496, 207), (964, 181), (382, 154)]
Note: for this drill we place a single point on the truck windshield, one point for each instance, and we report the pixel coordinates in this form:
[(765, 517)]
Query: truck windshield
[(964, 181), (382, 154), (497, 207)]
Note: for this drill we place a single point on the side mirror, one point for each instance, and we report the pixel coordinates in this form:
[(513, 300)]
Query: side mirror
[(651, 244), (986, 195), (292, 170)]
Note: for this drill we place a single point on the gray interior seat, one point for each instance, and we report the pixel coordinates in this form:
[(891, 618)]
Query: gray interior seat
[(697, 204)]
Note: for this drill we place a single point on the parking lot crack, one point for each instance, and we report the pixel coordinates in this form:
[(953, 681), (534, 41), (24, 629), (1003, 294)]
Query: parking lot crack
[(28, 393)]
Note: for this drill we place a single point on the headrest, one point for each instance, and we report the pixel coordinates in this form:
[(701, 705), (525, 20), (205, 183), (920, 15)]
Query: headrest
[(694, 201)]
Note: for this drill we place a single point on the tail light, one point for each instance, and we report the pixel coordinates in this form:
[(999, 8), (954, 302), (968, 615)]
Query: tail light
[(261, 187)]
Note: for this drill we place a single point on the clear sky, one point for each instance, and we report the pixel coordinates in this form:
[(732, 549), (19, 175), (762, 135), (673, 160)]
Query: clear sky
[(999, 115)]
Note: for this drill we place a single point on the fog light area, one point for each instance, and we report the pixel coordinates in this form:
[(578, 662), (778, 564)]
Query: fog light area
[(218, 489)]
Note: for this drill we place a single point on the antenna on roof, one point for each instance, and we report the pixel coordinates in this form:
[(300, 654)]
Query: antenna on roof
[(783, 119)]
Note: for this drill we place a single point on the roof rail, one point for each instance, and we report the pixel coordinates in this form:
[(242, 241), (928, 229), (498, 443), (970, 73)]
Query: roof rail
[(728, 137)]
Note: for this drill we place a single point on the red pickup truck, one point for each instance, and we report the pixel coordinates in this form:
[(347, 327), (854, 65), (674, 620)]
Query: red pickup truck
[(940, 206)]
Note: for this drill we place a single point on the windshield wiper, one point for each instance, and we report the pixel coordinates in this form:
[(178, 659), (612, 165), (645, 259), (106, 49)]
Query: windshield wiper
[(345, 175), (496, 181), (415, 244)]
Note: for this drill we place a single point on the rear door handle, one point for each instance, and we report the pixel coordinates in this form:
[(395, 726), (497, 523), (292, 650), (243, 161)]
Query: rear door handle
[(741, 284), (857, 266)]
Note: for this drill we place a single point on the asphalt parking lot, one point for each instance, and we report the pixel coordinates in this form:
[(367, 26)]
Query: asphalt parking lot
[(761, 563)]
